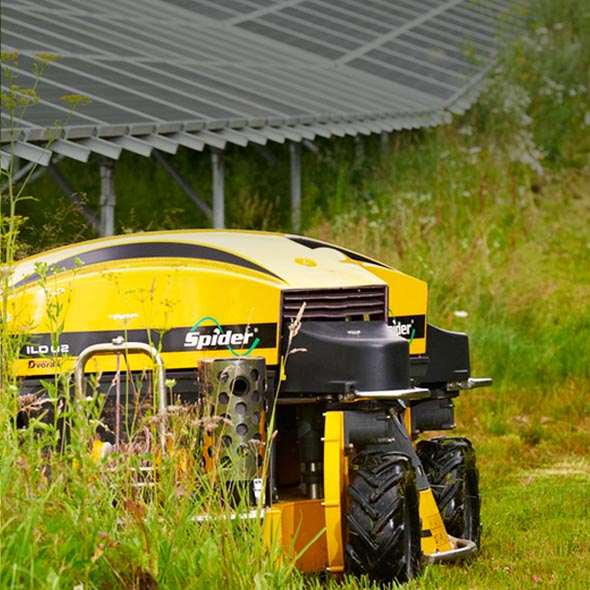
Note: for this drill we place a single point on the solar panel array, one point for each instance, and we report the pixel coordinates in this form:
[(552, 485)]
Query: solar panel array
[(164, 73)]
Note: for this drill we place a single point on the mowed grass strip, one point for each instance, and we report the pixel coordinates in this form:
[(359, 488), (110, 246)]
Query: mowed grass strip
[(537, 528)]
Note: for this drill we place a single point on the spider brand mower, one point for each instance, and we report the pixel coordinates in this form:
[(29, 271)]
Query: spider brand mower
[(335, 345)]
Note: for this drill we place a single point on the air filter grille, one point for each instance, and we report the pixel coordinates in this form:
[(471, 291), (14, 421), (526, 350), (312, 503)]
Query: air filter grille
[(356, 303)]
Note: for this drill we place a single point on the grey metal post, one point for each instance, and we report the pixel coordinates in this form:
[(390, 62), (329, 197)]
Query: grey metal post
[(359, 148), (384, 141), (218, 189), (295, 156), (107, 197)]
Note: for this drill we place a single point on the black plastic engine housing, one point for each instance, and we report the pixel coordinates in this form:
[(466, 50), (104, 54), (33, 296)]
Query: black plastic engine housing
[(340, 357)]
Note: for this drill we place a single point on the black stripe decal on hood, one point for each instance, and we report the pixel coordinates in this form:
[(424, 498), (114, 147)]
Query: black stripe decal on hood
[(147, 250), (313, 244)]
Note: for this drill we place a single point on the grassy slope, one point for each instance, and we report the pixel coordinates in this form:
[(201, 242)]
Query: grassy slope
[(509, 245), (529, 321)]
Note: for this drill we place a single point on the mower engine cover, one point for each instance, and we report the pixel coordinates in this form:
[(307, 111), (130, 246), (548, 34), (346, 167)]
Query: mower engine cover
[(196, 294)]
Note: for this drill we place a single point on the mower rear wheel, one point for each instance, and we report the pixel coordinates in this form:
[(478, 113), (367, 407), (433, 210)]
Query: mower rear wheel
[(449, 463), (383, 518)]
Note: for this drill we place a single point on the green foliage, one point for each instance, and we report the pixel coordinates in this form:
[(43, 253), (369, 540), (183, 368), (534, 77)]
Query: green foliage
[(493, 210)]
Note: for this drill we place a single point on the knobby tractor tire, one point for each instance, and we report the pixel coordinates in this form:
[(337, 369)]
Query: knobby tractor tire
[(449, 463), (383, 519)]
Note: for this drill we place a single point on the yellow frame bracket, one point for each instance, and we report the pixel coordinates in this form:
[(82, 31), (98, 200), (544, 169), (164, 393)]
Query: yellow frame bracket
[(335, 467)]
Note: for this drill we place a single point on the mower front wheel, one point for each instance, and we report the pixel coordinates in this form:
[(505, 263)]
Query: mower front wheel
[(449, 463), (383, 517)]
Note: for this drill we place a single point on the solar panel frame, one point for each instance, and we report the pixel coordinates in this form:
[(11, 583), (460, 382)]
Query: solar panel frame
[(263, 70)]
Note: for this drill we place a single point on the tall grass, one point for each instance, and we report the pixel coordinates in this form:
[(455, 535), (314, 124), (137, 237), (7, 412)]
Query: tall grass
[(493, 211), (132, 519)]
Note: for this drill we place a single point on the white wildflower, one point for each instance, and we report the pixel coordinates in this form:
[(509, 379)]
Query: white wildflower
[(123, 317), (426, 221), (516, 99), (525, 151), (525, 120)]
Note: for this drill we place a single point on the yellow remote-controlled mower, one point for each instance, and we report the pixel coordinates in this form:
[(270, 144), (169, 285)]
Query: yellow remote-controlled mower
[(334, 345)]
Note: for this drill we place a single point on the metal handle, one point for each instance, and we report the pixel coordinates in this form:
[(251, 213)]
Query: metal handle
[(118, 346), (470, 383), (401, 394)]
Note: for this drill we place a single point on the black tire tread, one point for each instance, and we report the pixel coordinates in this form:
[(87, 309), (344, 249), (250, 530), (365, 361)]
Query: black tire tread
[(383, 503)]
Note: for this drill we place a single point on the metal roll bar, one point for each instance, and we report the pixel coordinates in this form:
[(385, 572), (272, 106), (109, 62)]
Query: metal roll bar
[(118, 345)]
